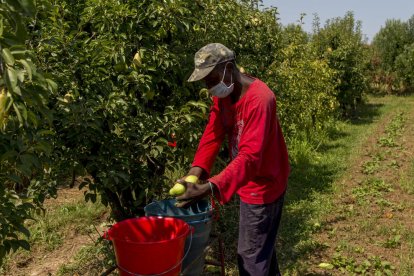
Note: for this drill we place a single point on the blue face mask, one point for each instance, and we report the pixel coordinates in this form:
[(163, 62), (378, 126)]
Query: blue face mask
[(221, 90)]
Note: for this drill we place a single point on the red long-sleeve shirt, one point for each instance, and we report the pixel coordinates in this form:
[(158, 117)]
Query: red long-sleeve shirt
[(259, 166)]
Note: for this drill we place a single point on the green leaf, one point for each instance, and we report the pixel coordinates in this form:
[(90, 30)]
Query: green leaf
[(2, 253), (29, 160), (124, 176), (24, 110), (13, 5), (25, 169), (24, 230), (19, 53), (1, 34), (19, 116), (90, 197), (14, 243), (20, 75), (12, 78), (27, 67), (45, 132), (7, 246), (162, 140), (198, 104), (8, 57), (52, 85), (44, 147), (24, 244), (15, 178), (21, 32), (11, 154), (18, 91), (160, 149), (367, 263), (28, 7), (189, 118)]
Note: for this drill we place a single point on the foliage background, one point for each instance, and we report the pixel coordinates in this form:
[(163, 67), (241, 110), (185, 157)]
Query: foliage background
[(96, 89)]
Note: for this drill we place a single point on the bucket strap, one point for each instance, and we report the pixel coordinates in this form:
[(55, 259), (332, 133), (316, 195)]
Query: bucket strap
[(170, 269)]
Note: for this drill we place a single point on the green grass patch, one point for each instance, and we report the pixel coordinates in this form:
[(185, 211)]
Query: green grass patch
[(407, 181), (49, 230), (91, 259), (373, 187), (373, 265)]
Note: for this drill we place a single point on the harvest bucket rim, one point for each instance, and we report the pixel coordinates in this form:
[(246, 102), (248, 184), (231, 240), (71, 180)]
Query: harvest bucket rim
[(190, 229)]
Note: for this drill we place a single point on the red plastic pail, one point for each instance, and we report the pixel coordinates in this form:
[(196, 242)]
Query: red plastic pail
[(149, 245)]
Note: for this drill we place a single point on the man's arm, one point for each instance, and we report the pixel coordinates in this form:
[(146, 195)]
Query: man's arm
[(209, 145), (206, 153)]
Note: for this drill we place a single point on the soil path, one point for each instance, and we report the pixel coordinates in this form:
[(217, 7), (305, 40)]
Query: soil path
[(372, 226)]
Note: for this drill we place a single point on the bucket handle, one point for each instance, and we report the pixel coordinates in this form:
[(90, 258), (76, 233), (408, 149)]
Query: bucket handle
[(170, 269)]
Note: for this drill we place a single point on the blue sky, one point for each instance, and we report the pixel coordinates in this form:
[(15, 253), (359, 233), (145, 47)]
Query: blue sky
[(373, 14)]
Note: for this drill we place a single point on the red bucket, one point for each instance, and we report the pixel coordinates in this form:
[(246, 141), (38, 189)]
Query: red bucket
[(149, 245)]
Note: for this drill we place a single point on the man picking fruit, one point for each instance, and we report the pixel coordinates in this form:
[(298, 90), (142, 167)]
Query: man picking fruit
[(244, 110)]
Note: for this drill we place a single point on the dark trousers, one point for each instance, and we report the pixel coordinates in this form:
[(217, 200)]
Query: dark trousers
[(258, 227)]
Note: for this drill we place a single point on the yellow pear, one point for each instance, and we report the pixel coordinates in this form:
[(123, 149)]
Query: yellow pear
[(192, 179), (177, 190), (137, 60), (68, 98)]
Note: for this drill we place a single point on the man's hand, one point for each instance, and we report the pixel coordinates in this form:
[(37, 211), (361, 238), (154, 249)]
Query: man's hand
[(193, 193)]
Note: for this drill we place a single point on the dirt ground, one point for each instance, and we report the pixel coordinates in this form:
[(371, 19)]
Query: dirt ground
[(40, 262), (362, 223)]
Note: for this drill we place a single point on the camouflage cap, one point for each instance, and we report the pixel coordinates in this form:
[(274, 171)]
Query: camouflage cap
[(207, 58)]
